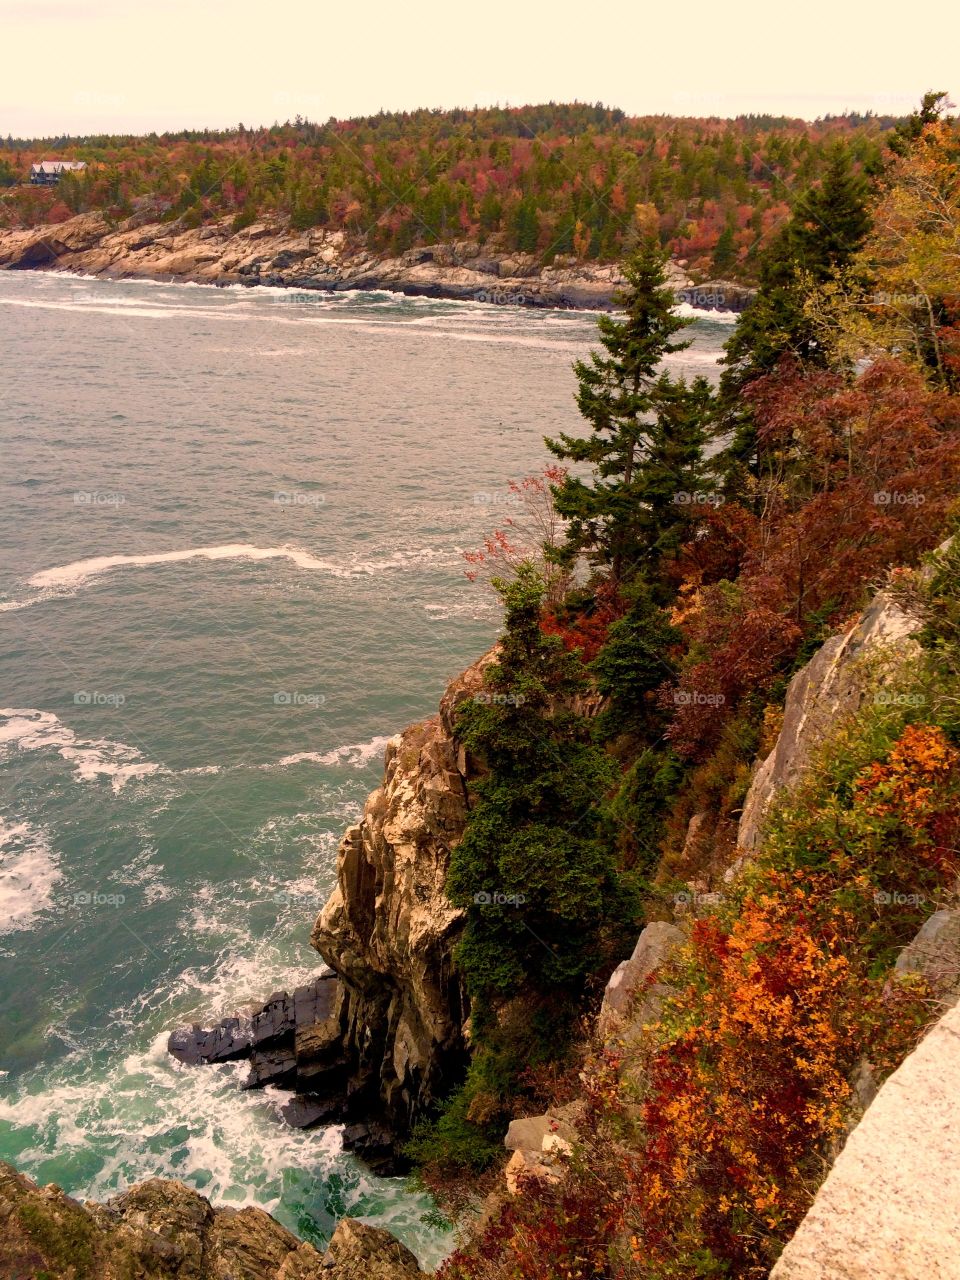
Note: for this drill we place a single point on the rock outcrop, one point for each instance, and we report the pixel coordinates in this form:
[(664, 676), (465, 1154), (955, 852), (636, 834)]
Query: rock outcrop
[(888, 1208), (388, 930), (372, 1044), (269, 253), (829, 685), (165, 1230), (633, 996)]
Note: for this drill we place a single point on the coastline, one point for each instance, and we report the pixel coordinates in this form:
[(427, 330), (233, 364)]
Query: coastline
[(271, 254)]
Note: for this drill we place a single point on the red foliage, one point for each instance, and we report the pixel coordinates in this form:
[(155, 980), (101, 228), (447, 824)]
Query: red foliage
[(854, 477)]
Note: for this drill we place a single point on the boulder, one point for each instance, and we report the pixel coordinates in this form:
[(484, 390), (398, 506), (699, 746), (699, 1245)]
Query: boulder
[(159, 1229), (164, 1230), (358, 1251), (531, 1133), (934, 953), (629, 1001)]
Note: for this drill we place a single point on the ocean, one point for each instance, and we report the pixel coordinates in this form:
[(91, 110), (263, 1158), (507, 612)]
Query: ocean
[(232, 526)]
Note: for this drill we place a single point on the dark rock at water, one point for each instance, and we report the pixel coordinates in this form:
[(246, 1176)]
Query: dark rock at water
[(271, 1066), (305, 1111), (375, 1143), (227, 1041), (299, 1042)]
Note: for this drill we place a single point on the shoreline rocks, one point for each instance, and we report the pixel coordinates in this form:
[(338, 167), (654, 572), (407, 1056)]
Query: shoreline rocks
[(268, 253), (165, 1230)]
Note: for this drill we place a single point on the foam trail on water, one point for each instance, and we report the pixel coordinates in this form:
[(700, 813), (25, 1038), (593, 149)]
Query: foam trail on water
[(28, 871), (33, 730), (65, 576), (358, 754), (79, 571)]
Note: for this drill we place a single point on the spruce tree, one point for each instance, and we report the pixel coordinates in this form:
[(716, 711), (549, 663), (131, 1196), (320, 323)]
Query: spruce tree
[(646, 430)]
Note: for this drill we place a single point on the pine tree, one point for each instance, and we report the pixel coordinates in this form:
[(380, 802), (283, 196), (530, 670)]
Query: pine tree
[(646, 430), (637, 658), (725, 250)]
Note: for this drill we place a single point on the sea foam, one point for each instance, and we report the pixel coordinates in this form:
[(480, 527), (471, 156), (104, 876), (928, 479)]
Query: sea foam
[(29, 869)]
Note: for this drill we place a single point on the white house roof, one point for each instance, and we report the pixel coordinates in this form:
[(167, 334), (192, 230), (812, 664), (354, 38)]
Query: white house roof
[(57, 166)]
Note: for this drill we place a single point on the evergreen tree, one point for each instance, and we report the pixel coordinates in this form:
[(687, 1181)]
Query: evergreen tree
[(647, 431), (725, 250), (932, 106), (635, 661), (538, 884), (827, 227)]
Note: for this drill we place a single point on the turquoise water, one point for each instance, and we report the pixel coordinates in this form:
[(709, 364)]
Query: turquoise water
[(231, 535)]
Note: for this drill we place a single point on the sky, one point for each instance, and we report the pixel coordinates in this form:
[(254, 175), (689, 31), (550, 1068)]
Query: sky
[(88, 66)]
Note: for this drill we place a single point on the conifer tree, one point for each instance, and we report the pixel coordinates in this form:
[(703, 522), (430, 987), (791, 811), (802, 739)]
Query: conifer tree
[(647, 431), (826, 229), (537, 881)]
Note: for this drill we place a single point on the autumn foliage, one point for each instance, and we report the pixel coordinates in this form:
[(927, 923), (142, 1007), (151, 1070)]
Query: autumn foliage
[(555, 180), (853, 477)]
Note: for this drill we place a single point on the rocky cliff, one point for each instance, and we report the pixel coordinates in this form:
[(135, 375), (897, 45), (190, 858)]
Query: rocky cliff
[(269, 253), (372, 1044), (388, 930), (164, 1230), (889, 1207), (829, 685)]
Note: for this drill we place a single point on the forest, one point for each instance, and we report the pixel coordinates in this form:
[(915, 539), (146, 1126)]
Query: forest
[(568, 180)]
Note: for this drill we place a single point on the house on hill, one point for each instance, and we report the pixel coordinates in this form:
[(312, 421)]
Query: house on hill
[(47, 173)]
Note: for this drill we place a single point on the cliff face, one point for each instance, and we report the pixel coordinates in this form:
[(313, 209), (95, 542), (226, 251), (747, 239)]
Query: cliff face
[(167, 1231), (828, 686), (374, 1043), (388, 931), (271, 254)]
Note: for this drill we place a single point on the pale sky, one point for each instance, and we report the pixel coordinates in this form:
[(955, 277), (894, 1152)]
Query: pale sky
[(85, 66)]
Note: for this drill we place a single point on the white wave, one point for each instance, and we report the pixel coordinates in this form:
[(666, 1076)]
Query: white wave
[(119, 309), (29, 869), (31, 730), (81, 571), (687, 312), (358, 754)]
